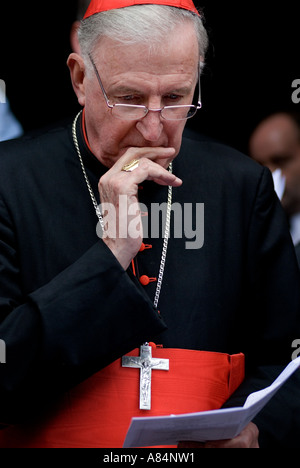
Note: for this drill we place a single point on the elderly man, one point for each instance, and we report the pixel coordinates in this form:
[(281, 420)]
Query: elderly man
[(201, 276)]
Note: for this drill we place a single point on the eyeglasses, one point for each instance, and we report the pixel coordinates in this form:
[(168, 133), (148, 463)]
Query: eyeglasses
[(137, 112)]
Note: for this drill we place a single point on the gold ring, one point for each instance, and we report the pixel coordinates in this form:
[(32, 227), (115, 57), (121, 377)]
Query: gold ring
[(134, 164)]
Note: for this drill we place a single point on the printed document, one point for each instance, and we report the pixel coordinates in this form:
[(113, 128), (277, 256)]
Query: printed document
[(205, 426)]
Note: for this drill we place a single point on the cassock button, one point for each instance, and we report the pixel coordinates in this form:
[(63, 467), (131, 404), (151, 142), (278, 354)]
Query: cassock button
[(153, 345), (145, 247), (145, 280)]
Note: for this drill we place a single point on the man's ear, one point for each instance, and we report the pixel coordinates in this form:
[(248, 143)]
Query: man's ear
[(77, 70)]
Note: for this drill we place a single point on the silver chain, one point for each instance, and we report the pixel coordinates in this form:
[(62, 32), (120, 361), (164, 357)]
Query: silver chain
[(94, 201), (99, 215), (165, 245)]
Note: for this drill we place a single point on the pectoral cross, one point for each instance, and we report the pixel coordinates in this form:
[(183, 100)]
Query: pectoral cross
[(145, 363)]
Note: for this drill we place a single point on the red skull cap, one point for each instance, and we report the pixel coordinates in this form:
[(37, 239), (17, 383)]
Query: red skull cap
[(97, 6)]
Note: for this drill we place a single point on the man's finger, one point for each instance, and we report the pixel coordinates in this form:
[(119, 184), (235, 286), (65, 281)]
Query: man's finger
[(149, 170), (157, 153)]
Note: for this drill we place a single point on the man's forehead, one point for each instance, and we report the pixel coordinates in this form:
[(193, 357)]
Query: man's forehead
[(180, 48), (127, 89), (129, 77)]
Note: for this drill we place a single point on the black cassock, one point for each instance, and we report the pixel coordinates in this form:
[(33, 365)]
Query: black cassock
[(68, 309)]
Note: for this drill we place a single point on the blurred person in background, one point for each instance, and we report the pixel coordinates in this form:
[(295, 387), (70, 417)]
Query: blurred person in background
[(9, 125), (275, 143)]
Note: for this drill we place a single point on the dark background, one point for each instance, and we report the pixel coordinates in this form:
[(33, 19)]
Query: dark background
[(253, 59)]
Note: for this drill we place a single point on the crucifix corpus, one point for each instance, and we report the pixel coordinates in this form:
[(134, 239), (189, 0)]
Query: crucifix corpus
[(145, 363)]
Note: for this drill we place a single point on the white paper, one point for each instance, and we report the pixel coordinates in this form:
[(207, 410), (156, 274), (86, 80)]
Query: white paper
[(205, 426)]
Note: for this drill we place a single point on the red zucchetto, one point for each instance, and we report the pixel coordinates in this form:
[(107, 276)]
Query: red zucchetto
[(97, 6)]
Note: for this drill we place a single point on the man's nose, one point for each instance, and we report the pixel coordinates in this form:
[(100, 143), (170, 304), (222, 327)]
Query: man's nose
[(151, 126)]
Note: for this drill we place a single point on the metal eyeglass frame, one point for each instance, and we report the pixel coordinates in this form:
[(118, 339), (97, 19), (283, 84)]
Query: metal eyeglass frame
[(145, 108)]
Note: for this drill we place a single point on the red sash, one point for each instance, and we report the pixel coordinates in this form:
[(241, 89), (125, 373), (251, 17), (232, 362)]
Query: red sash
[(97, 413)]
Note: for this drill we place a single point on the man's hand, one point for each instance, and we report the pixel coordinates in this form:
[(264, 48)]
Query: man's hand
[(247, 439), (119, 198)]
